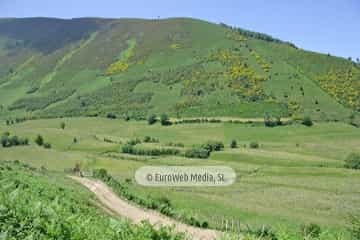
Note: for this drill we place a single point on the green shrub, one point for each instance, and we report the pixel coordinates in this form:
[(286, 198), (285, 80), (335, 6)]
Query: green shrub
[(307, 121), (152, 119), (312, 230), (39, 140), (47, 145), (134, 142), (265, 233), (354, 226), (4, 141), (62, 125), (213, 146), (172, 144), (164, 120), (111, 116), (254, 145), (127, 148), (233, 144), (353, 161), (148, 139), (197, 152)]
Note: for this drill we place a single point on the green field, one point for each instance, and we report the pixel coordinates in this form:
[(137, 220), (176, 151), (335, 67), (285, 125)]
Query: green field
[(295, 177)]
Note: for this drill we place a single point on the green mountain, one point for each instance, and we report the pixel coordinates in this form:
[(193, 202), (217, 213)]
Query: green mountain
[(182, 67)]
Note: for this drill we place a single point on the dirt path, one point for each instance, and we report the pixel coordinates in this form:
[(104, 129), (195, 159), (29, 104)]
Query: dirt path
[(137, 214), (225, 119)]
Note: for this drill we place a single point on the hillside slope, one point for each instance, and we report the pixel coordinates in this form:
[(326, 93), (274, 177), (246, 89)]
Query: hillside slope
[(183, 67)]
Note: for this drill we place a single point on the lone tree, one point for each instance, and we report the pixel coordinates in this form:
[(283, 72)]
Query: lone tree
[(39, 140), (152, 119), (233, 144), (62, 125)]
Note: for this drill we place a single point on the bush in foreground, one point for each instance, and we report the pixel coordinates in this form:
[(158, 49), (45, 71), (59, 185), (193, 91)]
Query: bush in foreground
[(29, 211), (312, 230)]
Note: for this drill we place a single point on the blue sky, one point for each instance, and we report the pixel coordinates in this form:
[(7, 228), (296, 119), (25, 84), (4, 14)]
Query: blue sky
[(328, 26)]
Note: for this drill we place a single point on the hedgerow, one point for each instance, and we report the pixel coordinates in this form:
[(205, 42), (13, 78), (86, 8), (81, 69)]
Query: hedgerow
[(131, 149)]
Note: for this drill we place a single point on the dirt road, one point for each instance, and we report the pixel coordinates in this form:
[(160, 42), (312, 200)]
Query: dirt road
[(137, 214)]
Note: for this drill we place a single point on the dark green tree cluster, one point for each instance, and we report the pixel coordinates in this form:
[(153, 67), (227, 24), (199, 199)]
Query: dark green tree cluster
[(148, 139), (233, 144), (152, 119), (164, 120), (256, 35), (10, 141), (39, 140), (17, 120), (111, 116), (204, 150)]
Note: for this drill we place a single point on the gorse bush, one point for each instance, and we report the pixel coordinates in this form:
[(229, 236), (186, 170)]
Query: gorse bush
[(353, 161)]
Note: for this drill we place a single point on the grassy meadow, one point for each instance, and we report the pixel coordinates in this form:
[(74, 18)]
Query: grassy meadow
[(295, 177)]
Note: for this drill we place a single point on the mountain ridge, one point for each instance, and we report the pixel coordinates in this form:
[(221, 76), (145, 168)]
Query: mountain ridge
[(179, 66)]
